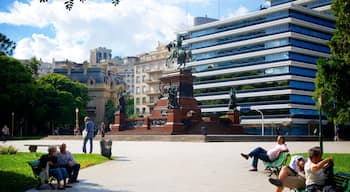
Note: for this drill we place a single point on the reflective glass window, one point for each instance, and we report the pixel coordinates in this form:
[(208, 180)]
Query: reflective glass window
[(308, 45), (240, 37), (303, 58), (303, 112), (301, 85), (240, 24), (310, 32), (302, 99), (311, 19), (303, 72)]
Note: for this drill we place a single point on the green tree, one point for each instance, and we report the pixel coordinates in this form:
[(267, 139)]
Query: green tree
[(70, 3), (6, 45), (333, 74), (16, 87), (129, 108), (59, 96), (109, 112)]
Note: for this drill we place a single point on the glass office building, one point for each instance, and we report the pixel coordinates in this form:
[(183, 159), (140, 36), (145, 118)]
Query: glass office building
[(269, 57)]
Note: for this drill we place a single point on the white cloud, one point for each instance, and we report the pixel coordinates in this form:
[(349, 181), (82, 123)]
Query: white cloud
[(130, 28), (238, 12)]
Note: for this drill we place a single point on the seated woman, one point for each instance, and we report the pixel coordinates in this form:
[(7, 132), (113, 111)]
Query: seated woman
[(292, 176), (50, 160)]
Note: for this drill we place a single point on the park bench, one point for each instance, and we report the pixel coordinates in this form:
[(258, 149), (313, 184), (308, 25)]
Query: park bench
[(34, 147), (36, 172), (341, 181), (275, 166)]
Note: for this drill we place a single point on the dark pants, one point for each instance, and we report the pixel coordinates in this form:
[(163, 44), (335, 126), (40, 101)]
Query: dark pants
[(84, 145), (58, 173), (259, 153), (72, 171)]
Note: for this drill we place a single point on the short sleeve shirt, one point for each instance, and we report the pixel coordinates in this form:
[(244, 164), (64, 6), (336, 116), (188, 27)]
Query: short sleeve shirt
[(313, 177), (272, 153)]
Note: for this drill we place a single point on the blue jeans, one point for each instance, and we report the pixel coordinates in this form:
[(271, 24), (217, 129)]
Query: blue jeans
[(259, 153), (72, 171), (58, 173), (84, 145)]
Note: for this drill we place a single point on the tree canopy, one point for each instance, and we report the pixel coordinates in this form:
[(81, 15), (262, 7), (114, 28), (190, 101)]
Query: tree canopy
[(6, 45), (70, 3), (333, 74), (38, 102)]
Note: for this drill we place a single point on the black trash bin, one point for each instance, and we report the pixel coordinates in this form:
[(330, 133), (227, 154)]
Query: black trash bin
[(106, 148)]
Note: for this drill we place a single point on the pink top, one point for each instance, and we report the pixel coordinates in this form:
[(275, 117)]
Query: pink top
[(272, 153)]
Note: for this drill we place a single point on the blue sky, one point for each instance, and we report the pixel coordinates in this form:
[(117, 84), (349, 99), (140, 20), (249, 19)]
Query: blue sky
[(49, 31)]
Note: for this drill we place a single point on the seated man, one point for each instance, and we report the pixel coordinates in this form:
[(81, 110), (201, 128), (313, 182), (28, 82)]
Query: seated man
[(269, 156), (67, 161), (291, 176), (317, 170), (50, 161)]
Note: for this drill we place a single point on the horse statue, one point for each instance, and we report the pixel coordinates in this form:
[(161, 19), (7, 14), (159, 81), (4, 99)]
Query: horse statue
[(178, 53)]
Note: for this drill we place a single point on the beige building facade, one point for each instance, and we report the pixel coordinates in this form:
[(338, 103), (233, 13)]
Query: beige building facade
[(147, 72)]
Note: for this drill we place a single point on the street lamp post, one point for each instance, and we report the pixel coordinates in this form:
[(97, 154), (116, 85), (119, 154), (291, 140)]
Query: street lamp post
[(320, 124), (12, 122), (262, 121), (76, 121)]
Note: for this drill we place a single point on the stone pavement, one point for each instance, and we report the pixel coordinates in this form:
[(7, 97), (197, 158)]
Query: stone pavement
[(177, 166)]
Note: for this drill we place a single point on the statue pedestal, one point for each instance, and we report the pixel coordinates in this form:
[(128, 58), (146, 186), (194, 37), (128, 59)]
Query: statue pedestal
[(119, 122), (233, 116), (174, 124)]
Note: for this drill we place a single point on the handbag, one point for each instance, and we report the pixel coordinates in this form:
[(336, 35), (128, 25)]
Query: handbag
[(84, 133)]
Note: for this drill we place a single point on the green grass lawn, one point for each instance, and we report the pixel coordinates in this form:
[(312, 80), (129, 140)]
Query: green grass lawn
[(341, 160), (16, 174)]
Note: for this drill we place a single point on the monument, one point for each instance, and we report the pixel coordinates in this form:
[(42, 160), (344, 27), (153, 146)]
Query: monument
[(177, 111)]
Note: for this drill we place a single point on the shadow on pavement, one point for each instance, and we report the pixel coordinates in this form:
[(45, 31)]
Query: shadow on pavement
[(120, 158), (89, 187)]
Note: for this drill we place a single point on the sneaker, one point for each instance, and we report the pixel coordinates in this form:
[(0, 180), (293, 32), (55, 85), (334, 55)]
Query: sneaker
[(253, 169), (245, 156), (275, 182)]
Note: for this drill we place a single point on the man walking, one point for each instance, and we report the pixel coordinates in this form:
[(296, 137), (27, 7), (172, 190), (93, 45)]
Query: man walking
[(90, 128)]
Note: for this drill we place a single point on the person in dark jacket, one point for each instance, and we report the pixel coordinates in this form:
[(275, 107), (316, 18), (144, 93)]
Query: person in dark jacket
[(50, 161), (90, 128)]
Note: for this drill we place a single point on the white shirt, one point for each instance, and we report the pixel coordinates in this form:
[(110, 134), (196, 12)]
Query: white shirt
[(272, 153), (293, 162), (313, 177)]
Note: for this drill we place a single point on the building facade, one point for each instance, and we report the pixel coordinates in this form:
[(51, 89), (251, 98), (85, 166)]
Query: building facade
[(269, 57), (102, 85), (100, 54), (146, 78)]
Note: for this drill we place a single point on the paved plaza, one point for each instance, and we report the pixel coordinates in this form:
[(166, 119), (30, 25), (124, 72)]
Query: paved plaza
[(177, 166)]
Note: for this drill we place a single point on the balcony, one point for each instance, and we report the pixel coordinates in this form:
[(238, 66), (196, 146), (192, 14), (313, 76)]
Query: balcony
[(156, 70), (153, 92), (152, 81)]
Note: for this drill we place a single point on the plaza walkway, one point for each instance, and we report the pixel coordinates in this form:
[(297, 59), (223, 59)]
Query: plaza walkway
[(177, 166)]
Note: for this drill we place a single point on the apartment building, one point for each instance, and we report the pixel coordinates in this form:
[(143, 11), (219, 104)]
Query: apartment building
[(269, 57), (146, 78)]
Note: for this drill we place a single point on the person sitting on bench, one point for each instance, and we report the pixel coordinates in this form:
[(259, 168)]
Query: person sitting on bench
[(67, 161), (50, 161), (269, 156), (292, 176), (318, 172)]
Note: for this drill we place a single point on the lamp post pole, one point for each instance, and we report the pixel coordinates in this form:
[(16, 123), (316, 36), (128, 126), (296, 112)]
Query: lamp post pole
[(76, 121), (320, 123), (262, 121), (12, 123)]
